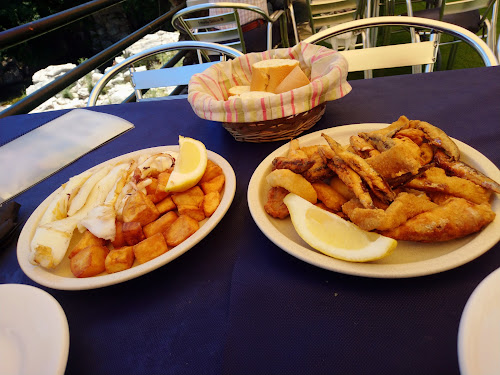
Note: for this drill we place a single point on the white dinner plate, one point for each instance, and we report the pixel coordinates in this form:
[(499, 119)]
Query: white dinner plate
[(34, 333), (62, 278), (479, 330), (409, 259)]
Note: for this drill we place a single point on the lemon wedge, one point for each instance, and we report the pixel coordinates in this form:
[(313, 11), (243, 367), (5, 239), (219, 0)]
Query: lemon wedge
[(189, 166), (334, 236)]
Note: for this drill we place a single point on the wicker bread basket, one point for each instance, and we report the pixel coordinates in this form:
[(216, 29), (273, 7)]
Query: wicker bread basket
[(275, 130), (276, 117)]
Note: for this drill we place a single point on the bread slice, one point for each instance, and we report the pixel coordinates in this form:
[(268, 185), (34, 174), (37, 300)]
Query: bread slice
[(294, 80), (238, 90), (268, 74)]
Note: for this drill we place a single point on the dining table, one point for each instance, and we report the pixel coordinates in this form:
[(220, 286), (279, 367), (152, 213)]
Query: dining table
[(236, 303)]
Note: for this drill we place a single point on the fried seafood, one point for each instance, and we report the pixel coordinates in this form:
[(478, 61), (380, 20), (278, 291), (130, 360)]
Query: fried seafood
[(463, 170), (319, 170), (362, 147), (296, 160), (292, 182), (375, 181), (404, 207), (437, 137), (404, 157), (348, 177), (456, 218), (274, 205), (405, 181), (435, 179)]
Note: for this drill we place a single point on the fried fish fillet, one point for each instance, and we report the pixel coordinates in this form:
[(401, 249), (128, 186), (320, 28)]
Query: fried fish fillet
[(404, 207), (404, 157), (455, 219), (435, 180)]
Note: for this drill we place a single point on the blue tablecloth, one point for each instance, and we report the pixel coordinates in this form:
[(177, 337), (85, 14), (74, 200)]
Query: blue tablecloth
[(236, 303)]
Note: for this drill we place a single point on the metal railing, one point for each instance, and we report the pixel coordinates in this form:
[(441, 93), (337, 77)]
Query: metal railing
[(34, 29)]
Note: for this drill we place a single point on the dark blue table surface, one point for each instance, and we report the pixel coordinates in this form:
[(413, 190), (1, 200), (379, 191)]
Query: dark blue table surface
[(236, 303)]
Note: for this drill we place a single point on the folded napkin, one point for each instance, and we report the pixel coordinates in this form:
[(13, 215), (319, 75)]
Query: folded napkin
[(8, 221), (43, 151)]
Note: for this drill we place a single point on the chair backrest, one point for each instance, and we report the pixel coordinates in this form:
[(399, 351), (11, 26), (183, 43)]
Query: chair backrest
[(221, 28), (327, 13), (408, 54), (164, 77)]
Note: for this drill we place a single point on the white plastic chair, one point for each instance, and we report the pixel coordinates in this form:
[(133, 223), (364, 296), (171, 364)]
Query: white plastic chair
[(407, 54), (166, 77)]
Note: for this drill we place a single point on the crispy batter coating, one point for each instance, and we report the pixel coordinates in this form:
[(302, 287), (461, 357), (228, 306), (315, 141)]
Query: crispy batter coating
[(435, 179), (292, 182), (455, 219), (404, 207), (403, 158), (274, 205), (463, 170), (375, 181)]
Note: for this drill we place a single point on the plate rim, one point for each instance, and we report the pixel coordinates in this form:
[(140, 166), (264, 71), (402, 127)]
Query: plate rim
[(473, 307), (419, 268), (46, 278), (63, 327)]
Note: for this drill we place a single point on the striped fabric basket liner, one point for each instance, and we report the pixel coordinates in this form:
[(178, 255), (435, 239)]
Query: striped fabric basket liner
[(276, 117)]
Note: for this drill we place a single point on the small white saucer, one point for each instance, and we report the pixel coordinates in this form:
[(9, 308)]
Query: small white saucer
[(34, 332)]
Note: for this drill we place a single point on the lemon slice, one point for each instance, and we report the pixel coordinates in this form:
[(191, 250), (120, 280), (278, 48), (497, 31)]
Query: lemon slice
[(334, 236), (189, 166)]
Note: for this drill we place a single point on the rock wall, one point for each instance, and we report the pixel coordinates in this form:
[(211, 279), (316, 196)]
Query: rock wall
[(76, 96)]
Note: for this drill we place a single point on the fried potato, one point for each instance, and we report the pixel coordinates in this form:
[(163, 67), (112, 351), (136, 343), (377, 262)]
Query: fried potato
[(161, 224), (119, 259), (132, 233), (166, 205), (140, 208), (292, 182), (215, 184), (212, 170), (87, 239), (192, 211), (180, 230), (90, 261), (191, 197), (160, 192), (210, 203), (119, 240), (150, 248), (329, 196)]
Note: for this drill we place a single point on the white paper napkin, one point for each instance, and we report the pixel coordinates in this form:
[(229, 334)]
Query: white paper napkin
[(36, 155)]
